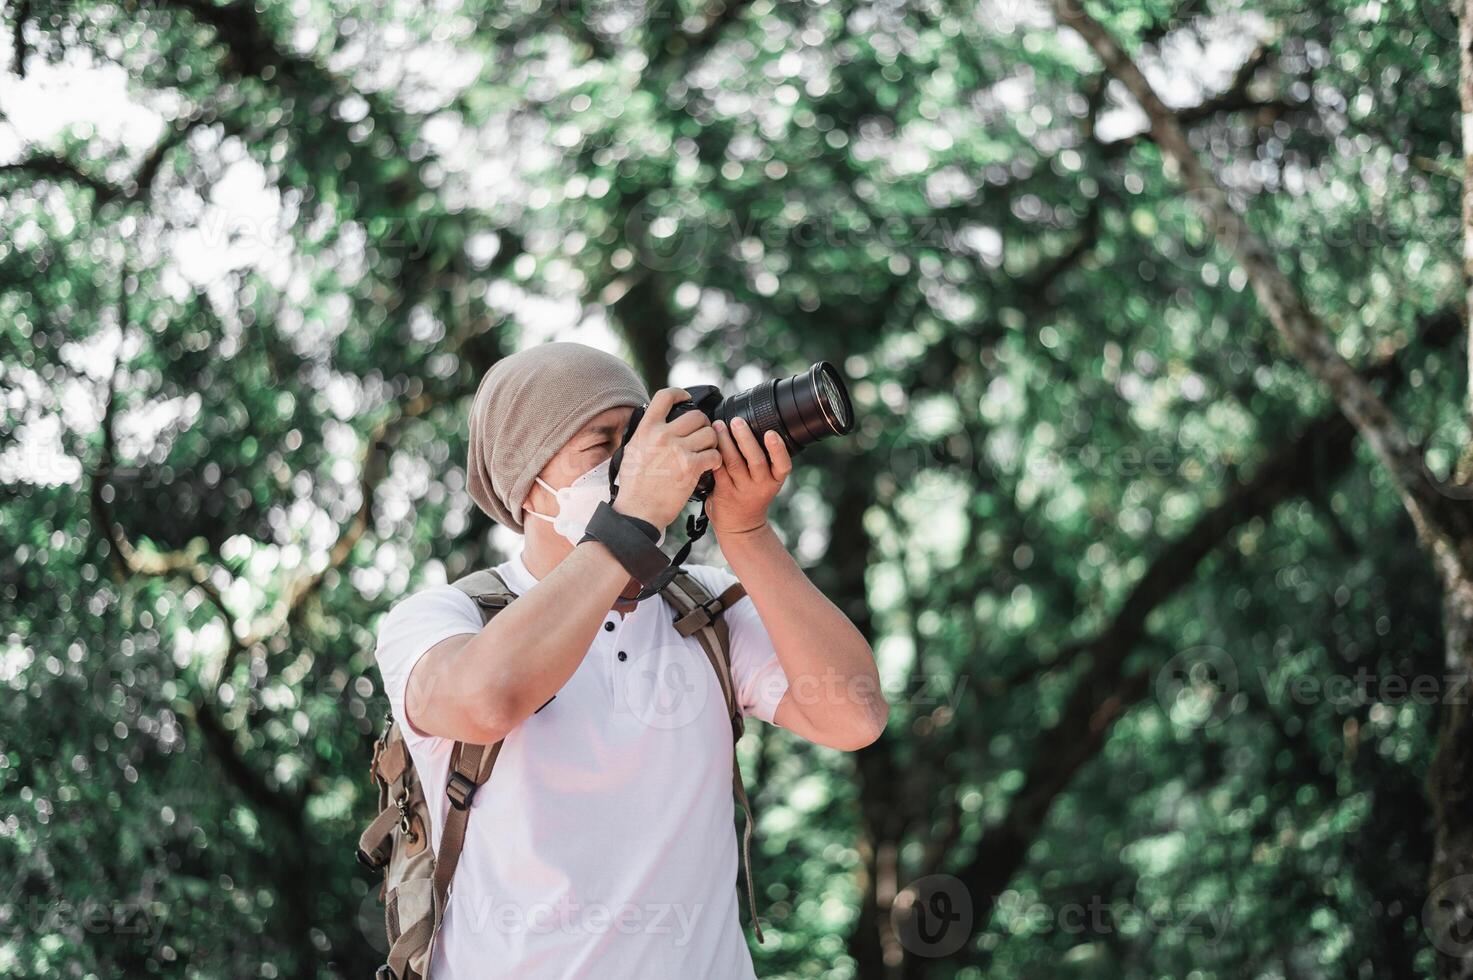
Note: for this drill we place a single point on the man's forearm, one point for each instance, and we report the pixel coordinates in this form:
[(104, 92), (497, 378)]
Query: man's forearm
[(555, 621), (830, 668), (486, 686)]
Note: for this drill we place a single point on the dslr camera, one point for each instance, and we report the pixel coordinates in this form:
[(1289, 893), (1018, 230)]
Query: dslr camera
[(802, 409)]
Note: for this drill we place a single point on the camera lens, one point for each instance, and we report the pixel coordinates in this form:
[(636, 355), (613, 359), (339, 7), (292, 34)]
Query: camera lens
[(802, 409), (833, 398)]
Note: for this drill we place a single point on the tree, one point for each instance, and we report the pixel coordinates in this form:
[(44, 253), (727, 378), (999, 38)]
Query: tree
[(1439, 508), (1152, 597)]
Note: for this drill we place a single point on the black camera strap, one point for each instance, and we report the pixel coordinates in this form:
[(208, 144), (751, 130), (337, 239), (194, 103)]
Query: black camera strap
[(630, 540), (618, 457), (695, 524)]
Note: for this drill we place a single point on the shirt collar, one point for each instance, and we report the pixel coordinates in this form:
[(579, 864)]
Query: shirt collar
[(518, 577)]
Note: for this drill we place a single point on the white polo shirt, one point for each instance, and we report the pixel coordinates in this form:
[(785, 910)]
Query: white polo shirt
[(604, 844)]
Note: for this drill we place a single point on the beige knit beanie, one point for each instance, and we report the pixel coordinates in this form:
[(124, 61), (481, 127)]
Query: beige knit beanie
[(527, 407)]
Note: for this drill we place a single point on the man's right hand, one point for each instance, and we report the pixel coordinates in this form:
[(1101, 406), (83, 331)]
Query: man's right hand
[(663, 460)]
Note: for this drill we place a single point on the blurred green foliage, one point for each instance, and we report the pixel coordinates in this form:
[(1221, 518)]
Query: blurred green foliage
[(240, 333)]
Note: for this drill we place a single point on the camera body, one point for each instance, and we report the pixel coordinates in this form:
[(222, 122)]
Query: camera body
[(707, 400)]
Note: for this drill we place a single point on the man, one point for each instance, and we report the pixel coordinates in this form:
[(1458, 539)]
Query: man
[(603, 844)]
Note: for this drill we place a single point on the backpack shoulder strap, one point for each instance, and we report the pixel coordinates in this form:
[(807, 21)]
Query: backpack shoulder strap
[(470, 765), (698, 612), (489, 591)]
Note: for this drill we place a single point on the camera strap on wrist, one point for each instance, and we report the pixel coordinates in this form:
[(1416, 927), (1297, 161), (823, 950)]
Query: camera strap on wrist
[(695, 524), (695, 527), (630, 541)]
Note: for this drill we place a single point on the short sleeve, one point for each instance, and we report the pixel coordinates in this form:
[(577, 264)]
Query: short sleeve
[(755, 670), (408, 630)]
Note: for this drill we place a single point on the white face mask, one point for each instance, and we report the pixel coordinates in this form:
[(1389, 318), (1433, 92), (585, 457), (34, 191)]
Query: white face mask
[(577, 501)]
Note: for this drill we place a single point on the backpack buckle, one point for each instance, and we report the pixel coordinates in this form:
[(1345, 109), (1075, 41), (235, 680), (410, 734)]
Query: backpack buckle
[(406, 818), (699, 616), (385, 972), (368, 860), (461, 789)]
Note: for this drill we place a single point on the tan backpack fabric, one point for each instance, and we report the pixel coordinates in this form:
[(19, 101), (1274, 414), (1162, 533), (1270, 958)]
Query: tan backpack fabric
[(417, 880)]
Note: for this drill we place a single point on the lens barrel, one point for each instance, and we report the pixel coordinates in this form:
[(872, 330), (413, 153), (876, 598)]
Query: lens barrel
[(801, 409)]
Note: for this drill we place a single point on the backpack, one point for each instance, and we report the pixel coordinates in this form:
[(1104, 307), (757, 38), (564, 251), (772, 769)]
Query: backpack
[(417, 880)]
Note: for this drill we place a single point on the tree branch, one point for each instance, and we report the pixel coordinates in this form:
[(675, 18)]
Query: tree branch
[(372, 471), (1442, 522), (1234, 98), (1040, 280), (1322, 451), (130, 561), (18, 37), (48, 166)]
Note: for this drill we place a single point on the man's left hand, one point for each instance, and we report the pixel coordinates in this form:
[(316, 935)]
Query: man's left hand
[(747, 482)]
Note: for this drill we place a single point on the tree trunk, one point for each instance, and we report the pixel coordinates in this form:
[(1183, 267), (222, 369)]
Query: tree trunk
[(843, 575), (1465, 101), (1447, 916)]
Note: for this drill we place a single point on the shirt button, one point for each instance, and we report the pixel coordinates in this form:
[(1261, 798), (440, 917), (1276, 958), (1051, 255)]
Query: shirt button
[(609, 625), (623, 655)]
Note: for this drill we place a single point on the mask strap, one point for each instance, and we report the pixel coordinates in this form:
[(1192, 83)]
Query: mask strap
[(543, 484)]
